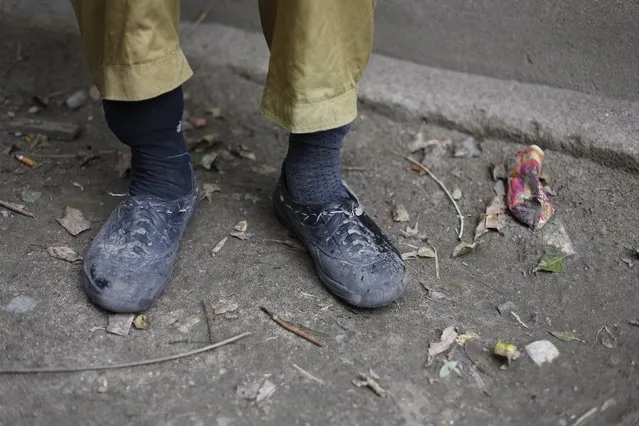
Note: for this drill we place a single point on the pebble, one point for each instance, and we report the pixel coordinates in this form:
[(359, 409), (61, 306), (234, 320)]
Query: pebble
[(77, 99), (506, 307)]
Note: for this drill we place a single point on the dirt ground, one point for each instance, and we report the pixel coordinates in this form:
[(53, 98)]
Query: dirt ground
[(47, 320)]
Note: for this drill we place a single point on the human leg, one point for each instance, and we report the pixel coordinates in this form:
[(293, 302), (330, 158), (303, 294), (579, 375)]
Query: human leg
[(318, 53), (135, 59)]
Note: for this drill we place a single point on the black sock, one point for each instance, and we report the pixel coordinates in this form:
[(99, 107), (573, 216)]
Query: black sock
[(160, 162), (313, 166)]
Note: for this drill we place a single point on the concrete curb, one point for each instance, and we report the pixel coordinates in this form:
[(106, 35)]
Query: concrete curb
[(602, 129)]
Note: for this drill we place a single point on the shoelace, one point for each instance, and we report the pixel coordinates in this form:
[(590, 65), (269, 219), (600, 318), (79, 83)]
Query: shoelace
[(351, 233)]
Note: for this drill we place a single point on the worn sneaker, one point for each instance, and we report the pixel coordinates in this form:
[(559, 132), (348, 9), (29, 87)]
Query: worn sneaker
[(131, 259), (354, 259)]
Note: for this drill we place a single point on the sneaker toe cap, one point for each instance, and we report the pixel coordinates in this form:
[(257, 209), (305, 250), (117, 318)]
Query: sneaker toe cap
[(122, 289), (366, 286)]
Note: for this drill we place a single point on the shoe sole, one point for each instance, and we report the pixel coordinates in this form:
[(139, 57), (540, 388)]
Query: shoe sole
[(334, 287)]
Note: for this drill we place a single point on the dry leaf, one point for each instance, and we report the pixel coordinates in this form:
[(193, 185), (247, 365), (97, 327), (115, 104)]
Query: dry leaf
[(208, 159), (207, 191), (409, 255), (64, 253), (550, 264), (29, 196), (467, 149), (240, 235), (103, 385), (493, 218), (418, 143), (448, 367), (506, 350), (462, 339), (456, 194), (426, 252), (241, 226), (362, 380), (463, 248), (141, 322), (224, 306), (119, 324), (400, 214), (265, 392), (434, 151), (565, 336), (219, 246), (74, 222), (435, 348), (257, 391), (248, 390), (411, 232)]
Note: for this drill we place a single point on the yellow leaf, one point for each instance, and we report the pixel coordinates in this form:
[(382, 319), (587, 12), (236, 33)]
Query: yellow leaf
[(141, 322)]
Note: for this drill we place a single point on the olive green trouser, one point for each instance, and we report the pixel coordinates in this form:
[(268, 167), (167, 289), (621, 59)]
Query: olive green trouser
[(319, 49)]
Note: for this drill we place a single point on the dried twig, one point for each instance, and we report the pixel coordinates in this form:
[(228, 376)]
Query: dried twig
[(15, 208), (518, 319), (123, 365), (443, 187), (436, 262), (583, 418), (307, 374), (633, 323), (292, 244), (291, 327), (207, 317)]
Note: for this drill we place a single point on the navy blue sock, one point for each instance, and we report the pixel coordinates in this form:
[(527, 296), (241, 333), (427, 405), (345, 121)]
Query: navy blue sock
[(313, 166), (160, 161)]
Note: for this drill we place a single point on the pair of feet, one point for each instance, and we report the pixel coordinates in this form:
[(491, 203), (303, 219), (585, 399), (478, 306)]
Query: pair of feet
[(131, 259)]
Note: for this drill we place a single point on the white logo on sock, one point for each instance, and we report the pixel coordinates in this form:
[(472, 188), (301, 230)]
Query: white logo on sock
[(178, 129)]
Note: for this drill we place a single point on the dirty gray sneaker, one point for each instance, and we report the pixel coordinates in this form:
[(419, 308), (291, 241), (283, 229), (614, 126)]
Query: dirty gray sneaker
[(131, 259), (354, 259)]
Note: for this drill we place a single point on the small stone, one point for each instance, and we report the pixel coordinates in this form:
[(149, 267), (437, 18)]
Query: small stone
[(4, 213), (94, 93), (506, 308), (542, 351), (77, 99), (103, 385), (33, 110), (499, 172)]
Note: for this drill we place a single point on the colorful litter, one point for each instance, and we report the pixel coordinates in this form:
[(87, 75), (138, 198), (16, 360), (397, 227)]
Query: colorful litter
[(526, 198)]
